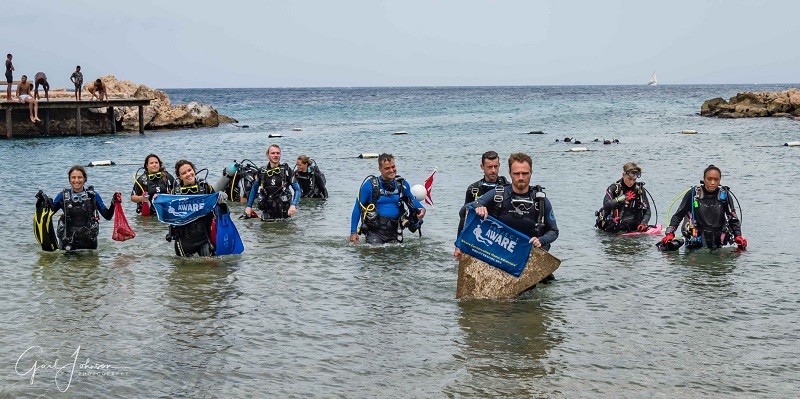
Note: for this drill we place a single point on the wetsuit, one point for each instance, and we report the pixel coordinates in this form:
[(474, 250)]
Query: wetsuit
[(520, 212), (277, 191), (382, 224), (713, 220), (79, 225), (312, 184), (476, 190), (625, 215), (195, 237), (154, 183)]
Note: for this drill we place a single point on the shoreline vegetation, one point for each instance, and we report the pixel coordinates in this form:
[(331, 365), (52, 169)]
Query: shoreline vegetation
[(159, 115), (784, 104)]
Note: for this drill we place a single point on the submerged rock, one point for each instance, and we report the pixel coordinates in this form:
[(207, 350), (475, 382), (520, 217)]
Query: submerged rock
[(755, 104), (479, 280)]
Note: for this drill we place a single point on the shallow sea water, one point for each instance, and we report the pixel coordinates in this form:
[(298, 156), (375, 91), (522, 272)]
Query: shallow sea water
[(303, 313)]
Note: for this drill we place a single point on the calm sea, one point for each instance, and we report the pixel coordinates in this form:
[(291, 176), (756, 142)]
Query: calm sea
[(303, 313)]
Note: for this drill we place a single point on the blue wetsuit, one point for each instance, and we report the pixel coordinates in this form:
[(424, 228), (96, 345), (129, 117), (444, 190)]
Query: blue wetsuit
[(387, 208)]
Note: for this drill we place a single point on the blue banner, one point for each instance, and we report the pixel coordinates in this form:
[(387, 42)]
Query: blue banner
[(493, 242), (179, 210)]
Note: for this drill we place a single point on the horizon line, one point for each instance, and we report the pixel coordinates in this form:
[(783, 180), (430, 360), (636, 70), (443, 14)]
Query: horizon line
[(797, 84)]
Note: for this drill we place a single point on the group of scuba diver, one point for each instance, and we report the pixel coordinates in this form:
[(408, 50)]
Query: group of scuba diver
[(277, 187), (386, 204), (706, 214)]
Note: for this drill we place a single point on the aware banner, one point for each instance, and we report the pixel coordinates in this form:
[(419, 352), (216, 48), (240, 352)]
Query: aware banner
[(179, 210), (495, 243)]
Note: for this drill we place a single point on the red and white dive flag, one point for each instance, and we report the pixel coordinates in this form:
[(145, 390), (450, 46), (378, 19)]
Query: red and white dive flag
[(429, 187)]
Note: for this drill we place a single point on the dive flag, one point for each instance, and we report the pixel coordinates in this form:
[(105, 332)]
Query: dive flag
[(429, 187), (179, 210)]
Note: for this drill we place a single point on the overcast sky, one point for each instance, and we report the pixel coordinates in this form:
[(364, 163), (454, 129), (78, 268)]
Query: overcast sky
[(264, 43)]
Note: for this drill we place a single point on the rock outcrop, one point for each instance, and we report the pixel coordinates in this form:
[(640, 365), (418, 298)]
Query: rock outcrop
[(755, 104), (160, 114)]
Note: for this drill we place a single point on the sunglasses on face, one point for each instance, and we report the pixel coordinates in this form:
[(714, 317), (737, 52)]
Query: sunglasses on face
[(190, 189), (272, 172), (634, 174), (153, 176)]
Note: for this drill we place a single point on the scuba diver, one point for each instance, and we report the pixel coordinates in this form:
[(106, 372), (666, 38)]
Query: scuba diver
[(310, 178), (490, 165), (385, 206), (79, 225), (237, 179), (709, 218), (156, 180), (278, 192), (625, 206), (193, 237), (523, 208)]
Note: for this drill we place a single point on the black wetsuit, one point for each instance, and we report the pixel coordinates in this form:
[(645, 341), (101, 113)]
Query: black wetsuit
[(195, 237), (312, 184), (277, 190), (78, 226), (520, 212), (627, 215), (475, 191), (155, 183), (714, 219)]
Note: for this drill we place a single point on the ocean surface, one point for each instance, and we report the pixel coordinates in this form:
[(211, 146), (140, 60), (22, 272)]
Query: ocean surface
[(305, 314)]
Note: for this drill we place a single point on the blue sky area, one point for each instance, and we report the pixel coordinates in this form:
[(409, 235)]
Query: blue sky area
[(177, 44)]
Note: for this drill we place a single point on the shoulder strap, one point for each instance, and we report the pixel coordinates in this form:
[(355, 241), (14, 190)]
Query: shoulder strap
[(376, 189)]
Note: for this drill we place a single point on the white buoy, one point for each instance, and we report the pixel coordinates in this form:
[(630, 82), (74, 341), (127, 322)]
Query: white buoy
[(401, 132), (688, 131), (578, 149), (272, 135), (792, 144), (297, 129), (108, 142), (367, 155), (419, 192), (105, 162)]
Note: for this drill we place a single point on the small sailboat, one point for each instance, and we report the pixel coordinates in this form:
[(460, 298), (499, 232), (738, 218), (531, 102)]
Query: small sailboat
[(653, 80)]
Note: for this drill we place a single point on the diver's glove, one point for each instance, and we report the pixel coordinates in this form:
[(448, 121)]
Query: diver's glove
[(630, 195), (116, 198), (667, 238), (620, 198), (740, 241), (641, 228)]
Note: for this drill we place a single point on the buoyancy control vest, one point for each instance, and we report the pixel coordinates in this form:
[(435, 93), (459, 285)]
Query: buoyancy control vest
[(628, 216), (79, 226), (312, 182), (709, 219), (518, 211), (481, 187)]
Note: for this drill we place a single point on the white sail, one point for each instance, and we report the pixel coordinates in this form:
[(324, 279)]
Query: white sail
[(653, 79)]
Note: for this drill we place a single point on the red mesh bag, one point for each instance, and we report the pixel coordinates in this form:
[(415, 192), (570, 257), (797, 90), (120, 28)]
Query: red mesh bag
[(122, 230)]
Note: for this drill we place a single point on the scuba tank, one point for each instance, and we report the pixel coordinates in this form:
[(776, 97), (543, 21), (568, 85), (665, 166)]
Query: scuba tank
[(227, 175)]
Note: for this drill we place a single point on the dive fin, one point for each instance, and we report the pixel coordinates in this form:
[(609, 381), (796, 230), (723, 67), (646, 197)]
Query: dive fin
[(43, 223), (228, 240)]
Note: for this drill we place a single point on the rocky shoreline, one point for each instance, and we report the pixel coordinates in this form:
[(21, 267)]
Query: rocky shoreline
[(160, 114), (755, 104)]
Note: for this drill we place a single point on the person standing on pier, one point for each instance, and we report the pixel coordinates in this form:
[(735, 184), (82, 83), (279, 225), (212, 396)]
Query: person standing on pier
[(9, 76), (41, 79), (77, 80), (24, 95)]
